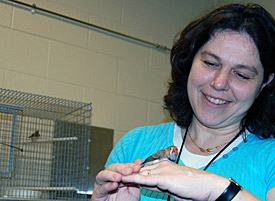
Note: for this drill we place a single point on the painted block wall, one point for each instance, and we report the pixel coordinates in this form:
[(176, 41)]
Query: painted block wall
[(124, 80)]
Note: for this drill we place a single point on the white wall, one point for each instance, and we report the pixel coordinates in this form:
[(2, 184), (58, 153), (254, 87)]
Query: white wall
[(124, 80)]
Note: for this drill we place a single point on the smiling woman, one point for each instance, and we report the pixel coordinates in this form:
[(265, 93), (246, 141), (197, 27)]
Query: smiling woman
[(222, 100)]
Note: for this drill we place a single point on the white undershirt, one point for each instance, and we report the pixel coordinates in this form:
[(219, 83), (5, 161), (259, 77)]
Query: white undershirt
[(194, 160)]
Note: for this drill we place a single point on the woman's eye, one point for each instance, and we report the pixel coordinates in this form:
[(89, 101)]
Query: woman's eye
[(242, 76), (210, 64)]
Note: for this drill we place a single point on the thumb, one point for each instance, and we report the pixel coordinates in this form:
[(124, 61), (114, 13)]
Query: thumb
[(137, 167), (138, 161)]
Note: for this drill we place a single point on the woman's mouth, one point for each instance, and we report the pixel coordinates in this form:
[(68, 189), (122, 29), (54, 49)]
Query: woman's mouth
[(216, 100)]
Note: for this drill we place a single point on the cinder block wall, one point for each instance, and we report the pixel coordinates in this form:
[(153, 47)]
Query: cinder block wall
[(123, 79)]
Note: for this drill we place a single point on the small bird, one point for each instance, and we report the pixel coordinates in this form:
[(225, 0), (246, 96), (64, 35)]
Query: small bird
[(36, 134), (168, 154)]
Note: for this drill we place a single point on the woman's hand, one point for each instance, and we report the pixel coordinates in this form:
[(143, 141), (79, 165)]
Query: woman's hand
[(179, 181), (109, 186)]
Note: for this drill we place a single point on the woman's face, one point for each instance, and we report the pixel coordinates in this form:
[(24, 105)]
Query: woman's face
[(225, 78)]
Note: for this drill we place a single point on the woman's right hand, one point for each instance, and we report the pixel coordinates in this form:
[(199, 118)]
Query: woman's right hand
[(108, 185)]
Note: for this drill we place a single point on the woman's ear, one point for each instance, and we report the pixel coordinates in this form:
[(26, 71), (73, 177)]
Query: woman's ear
[(270, 78)]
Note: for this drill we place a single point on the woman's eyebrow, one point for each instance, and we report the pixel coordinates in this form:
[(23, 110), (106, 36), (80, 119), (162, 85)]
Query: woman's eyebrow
[(206, 53), (250, 68)]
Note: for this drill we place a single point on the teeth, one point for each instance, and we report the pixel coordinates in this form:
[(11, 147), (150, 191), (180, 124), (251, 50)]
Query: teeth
[(215, 101)]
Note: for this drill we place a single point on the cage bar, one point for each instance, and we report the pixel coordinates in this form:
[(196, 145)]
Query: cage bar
[(44, 147)]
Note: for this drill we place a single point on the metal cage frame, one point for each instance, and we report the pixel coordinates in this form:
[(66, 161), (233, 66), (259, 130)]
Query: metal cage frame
[(44, 147)]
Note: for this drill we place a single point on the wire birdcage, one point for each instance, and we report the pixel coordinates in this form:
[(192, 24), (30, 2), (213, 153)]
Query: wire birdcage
[(44, 147)]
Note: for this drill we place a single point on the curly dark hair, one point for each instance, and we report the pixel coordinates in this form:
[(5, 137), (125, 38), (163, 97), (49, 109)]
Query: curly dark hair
[(244, 18)]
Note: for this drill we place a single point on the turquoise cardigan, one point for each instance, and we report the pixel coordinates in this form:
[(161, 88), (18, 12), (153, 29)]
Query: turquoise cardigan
[(251, 163)]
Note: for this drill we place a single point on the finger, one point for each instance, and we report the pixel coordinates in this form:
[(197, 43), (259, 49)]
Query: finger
[(158, 167), (138, 161), (148, 180), (147, 170), (107, 176), (103, 191), (114, 172), (137, 166), (124, 169)]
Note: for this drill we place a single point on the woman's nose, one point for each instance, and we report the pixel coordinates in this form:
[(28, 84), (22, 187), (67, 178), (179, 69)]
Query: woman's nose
[(220, 81)]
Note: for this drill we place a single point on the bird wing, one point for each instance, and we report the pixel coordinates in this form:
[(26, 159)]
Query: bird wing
[(159, 154)]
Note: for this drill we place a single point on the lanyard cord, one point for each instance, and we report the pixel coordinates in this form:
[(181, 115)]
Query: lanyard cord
[(213, 159), (219, 153), (182, 144)]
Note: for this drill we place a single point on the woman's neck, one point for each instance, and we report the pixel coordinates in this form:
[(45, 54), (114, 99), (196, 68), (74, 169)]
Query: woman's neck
[(204, 140)]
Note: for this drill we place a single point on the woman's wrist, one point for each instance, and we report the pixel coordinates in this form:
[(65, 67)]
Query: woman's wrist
[(230, 192), (219, 185)]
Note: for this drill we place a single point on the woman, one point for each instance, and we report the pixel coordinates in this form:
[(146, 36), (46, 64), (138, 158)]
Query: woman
[(222, 99)]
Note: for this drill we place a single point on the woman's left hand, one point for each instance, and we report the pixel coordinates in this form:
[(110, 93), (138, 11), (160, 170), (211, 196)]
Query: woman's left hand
[(179, 181)]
